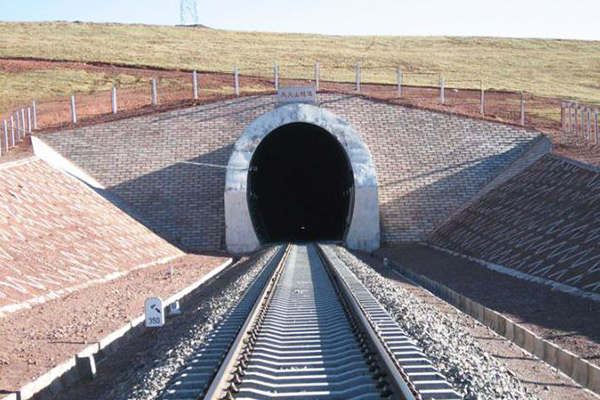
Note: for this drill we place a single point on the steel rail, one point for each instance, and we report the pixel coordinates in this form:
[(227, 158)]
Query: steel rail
[(222, 379), (395, 376)]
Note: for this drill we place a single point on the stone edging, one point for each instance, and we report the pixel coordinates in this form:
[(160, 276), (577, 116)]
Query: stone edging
[(581, 371), (66, 374)]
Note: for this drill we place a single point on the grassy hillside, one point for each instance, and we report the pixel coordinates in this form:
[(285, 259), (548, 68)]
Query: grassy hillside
[(546, 67)]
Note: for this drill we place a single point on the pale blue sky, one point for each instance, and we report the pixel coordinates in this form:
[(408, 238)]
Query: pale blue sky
[(573, 19)]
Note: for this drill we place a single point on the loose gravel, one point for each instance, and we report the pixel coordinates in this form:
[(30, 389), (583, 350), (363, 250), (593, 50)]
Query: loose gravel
[(474, 372), (157, 364)]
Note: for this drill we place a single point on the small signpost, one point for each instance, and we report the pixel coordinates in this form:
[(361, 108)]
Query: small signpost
[(297, 94), (155, 312)]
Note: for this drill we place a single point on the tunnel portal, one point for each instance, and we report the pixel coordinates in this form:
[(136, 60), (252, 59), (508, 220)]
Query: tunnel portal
[(300, 185)]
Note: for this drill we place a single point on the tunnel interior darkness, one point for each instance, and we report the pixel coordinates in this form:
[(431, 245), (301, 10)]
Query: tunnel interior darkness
[(300, 185)]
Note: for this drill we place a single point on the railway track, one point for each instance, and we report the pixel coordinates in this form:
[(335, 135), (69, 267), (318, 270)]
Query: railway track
[(309, 329)]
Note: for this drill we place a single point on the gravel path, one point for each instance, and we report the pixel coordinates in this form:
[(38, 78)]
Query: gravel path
[(144, 368), (473, 371)]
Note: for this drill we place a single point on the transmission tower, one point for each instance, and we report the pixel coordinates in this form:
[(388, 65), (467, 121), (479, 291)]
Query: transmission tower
[(188, 15)]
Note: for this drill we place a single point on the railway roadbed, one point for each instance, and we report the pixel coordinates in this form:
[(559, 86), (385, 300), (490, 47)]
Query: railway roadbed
[(306, 321)]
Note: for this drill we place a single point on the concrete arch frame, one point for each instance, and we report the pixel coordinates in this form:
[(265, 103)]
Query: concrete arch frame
[(363, 232)]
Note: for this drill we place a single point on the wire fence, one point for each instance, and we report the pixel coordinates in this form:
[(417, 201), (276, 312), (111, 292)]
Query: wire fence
[(157, 90)]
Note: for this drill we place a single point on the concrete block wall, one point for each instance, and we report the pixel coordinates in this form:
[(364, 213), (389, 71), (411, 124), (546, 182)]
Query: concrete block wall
[(428, 163)]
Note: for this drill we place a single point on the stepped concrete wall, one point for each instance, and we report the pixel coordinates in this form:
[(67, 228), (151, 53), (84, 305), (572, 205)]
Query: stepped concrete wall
[(427, 163), (543, 222), (58, 235)]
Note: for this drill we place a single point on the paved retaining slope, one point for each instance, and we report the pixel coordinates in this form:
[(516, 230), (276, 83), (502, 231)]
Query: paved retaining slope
[(57, 235), (544, 222)]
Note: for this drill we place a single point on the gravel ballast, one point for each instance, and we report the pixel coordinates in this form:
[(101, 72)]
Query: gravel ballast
[(474, 372), (142, 370)]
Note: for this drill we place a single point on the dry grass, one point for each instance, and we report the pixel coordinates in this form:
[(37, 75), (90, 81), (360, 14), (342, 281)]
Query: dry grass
[(19, 88), (557, 68)]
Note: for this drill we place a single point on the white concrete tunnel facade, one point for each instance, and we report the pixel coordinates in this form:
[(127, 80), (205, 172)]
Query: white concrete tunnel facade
[(363, 232)]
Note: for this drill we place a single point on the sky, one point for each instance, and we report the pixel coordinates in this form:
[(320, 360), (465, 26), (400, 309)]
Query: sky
[(573, 19)]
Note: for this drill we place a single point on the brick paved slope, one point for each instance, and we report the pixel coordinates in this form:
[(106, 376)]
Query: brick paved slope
[(427, 163), (56, 234), (545, 221)]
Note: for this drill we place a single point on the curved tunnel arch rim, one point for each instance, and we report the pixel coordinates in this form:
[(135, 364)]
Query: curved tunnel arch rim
[(363, 232)]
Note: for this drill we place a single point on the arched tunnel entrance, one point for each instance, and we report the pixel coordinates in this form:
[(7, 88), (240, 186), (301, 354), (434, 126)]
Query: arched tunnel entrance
[(300, 185)]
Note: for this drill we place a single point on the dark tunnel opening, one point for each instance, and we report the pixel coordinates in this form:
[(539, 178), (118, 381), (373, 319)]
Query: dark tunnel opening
[(300, 185)]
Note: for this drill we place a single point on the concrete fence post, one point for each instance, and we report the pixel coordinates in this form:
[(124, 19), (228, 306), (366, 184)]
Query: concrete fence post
[(236, 81), (573, 118), (275, 76), (113, 99), (522, 109), (34, 112), (399, 81), (12, 129), (576, 118), (195, 84), (317, 76), (595, 126), (6, 136), (570, 117), (154, 92), (482, 100), (23, 123), (442, 94), (562, 116), (73, 111), (29, 120), (582, 117), (358, 76), (589, 124), (18, 126)]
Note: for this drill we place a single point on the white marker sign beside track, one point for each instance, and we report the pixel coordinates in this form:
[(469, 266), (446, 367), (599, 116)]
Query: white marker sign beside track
[(155, 312)]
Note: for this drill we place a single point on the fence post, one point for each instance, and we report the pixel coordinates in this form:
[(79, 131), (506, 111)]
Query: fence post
[(576, 118), (570, 122), (442, 84), (154, 92), (582, 116), (482, 99), (522, 109), (29, 120), (275, 76), (317, 76), (12, 129), (113, 99), (589, 124), (562, 116), (34, 111), (73, 111), (23, 122), (6, 135), (18, 126), (595, 126), (236, 81), (195, 84), (358, 76), (399, 81)]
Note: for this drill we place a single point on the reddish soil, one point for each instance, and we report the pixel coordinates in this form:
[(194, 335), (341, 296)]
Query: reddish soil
[(36, 340), (175, 91), (569, 321), (540, 378)]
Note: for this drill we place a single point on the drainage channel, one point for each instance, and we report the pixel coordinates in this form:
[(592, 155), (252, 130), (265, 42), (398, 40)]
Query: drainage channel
[(313, 332)]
